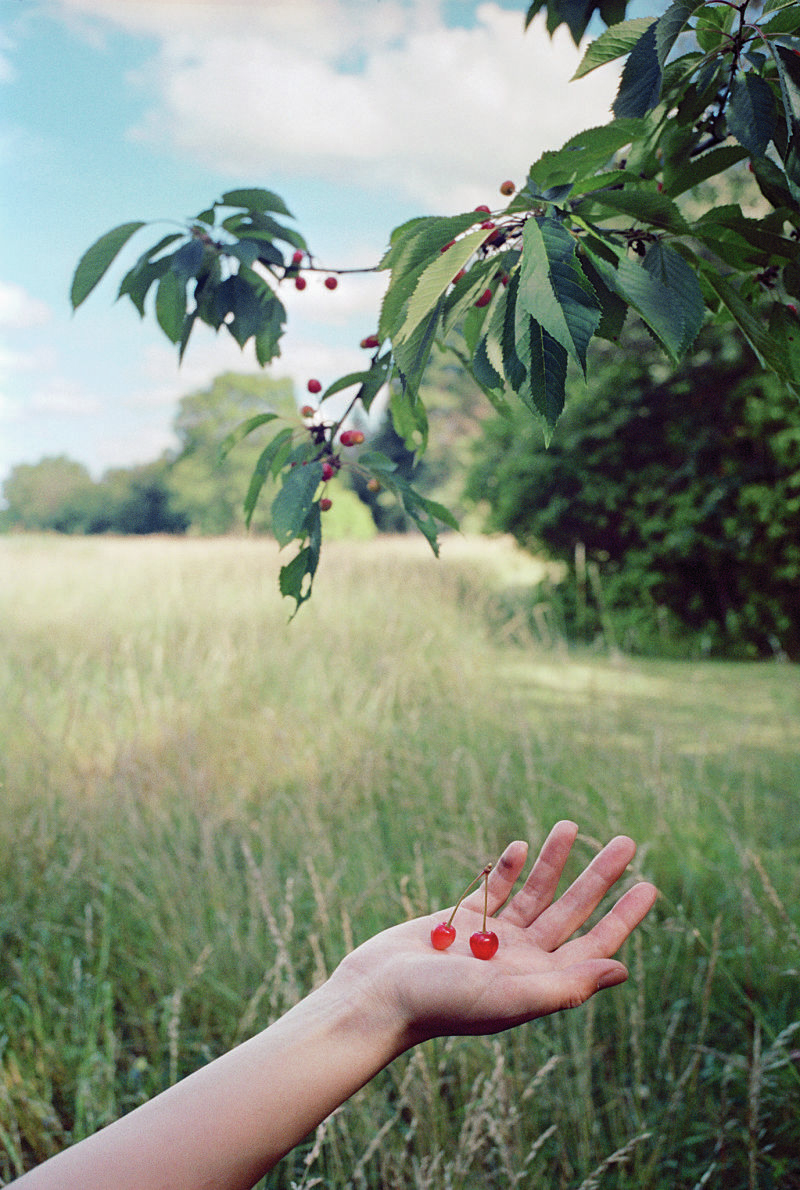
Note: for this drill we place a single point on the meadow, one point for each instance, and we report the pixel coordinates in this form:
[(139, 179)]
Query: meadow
[(204, 807)]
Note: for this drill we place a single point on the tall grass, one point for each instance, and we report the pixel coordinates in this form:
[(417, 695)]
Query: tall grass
[(203, 808)]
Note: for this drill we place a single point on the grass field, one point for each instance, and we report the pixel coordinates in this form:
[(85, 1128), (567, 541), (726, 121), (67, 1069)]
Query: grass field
[(203, 807)]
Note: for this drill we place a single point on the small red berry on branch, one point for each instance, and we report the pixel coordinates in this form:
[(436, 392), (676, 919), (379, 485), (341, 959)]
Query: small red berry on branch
[(300, 283), (371, 341), (325, 504), (351, 437), (297, 257), (331, 282), (483, 208), (314, 386), (307, 411), (328, 471), (484, 299)]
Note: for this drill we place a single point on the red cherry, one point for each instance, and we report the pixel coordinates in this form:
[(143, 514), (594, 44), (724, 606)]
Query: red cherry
[(483, 208), (351, 437), (328, 471), (331, 282), (485, 298), (461, 273), (314, 386), (297, 257), (443, 935), (371, 341), (300, 282), (488, 225), (484, 944), (325, 504)]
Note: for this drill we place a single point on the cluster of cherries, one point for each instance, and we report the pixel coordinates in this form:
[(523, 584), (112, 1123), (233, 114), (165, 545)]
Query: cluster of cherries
[(483, 943), (496, 238), (331, 462), (300, 282)]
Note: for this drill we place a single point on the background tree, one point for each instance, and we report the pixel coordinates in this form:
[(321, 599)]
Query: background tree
[(54, 494), (672, 500)]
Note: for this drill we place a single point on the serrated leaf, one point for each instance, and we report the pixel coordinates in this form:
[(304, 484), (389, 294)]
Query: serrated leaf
[(504, 327), (670, 26), (137, 281), (412, 355), (553, 288), (585, 153), (256, 199), (751, 113), (646, 206), (648, 296), (171, 305), (670, 268), (294, 500), (436, 278), (269, 463), (613, 43), (96, 261), (546, 361), (786, 21), (683, 175), (640, 85)]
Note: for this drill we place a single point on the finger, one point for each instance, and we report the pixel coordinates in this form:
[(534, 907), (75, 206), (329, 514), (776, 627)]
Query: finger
[(583, 896), (502, 878), (539, 889), (568, 987), (608, 935)]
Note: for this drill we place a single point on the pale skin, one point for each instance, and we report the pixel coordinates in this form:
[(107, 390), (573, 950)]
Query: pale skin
[(227, 1124)]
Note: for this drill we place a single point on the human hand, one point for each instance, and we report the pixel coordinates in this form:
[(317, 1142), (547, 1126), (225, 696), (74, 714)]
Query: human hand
[(539, 967)]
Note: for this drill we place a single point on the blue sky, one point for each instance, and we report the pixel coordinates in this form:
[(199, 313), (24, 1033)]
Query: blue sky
[(360, 113)]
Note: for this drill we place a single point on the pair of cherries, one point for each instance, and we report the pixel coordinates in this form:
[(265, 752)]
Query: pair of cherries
[(483, 943)]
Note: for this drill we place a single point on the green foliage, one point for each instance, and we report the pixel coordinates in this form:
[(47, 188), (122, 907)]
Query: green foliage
[(673, 501), (605, 229)]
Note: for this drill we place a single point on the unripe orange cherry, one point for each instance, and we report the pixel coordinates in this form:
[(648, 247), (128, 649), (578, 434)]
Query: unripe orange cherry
[(507, 187)]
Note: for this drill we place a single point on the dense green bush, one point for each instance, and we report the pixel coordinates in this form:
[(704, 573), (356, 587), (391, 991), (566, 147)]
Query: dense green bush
[(673, 500)]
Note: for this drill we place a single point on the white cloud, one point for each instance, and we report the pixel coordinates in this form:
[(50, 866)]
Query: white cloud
[(383, 96), (19, 310)]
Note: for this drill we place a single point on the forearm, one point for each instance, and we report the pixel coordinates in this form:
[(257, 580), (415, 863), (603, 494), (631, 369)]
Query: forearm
[(228, 1123)]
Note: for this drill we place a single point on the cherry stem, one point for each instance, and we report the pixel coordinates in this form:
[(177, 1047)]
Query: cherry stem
[(484, 872), (485, 898)]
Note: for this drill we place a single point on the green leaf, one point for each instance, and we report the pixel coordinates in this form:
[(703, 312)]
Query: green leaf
[(412, 355), (256, 200), (553, 288), (409, 418), (270, 329), (242, 430), (269, 463), (171, 305), (767, 349), (137, 281), (751, 113), (786, 21), (653, 301), (670, 26), (294, 499), (585, 153), (682, 175), (614, 43), (96, 261), (546, 361), (646, 206), (640, 85), (436, 278), (669, 267)]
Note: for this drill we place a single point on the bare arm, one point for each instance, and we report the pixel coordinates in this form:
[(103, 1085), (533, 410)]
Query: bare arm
[(227, 1124)]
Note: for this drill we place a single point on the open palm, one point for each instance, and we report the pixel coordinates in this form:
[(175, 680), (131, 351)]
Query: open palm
[(539, 967)]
